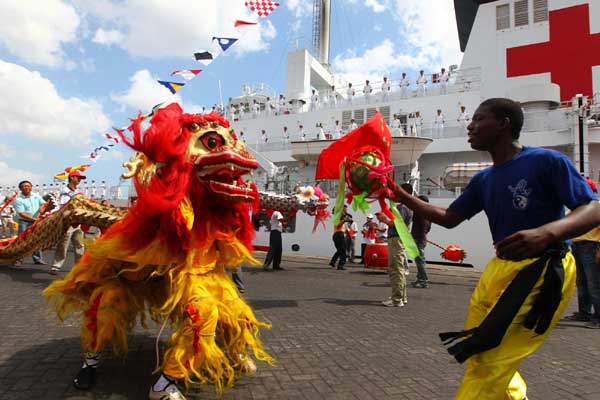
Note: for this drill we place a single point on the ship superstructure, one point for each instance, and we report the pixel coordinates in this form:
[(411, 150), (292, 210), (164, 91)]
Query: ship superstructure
[(543, 53)]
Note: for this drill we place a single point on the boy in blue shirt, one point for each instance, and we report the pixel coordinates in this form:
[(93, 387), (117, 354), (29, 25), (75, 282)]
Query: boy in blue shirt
[(526, 287)]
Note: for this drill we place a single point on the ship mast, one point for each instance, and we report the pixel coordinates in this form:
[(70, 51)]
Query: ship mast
[(320, 34)]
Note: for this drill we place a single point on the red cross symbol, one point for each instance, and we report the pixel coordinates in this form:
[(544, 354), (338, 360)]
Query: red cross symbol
[(568, 56)]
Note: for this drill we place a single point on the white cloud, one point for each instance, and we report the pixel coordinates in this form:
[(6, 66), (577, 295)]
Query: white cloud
[(108, 37), (12, 176), (429, 27), (300, 8), (6, 151), (144, 93), (375, 5), (156, 29), (35, 31), (31, 106), (374, 63)]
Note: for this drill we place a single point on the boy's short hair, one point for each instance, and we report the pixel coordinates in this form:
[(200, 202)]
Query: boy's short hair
[(506, 108)]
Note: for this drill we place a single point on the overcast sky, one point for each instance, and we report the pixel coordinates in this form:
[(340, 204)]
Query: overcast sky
[(71, 70)]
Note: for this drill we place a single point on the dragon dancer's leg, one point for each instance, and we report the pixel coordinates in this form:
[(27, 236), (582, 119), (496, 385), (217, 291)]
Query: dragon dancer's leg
[(110, 316)]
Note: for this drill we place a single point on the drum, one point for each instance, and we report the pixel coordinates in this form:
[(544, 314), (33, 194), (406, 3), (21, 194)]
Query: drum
[(376, 256)]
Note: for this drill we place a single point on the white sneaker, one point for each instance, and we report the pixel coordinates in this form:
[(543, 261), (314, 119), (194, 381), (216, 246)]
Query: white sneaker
[(170, 393), (392, 303)]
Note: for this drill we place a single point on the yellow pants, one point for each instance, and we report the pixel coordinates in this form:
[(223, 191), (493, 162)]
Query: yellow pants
[(492, 375)]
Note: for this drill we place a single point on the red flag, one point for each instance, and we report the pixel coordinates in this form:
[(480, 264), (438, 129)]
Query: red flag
[(239, 22), (374, 132)]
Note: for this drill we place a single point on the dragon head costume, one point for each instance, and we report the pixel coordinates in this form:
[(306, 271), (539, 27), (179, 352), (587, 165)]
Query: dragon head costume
[(167, 257)]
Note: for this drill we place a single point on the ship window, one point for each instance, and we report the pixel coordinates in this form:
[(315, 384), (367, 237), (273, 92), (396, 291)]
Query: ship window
[(502, 17), (540, 10), (359, 116), (346, 117), (385, 111), (521, 12), (371, 112)]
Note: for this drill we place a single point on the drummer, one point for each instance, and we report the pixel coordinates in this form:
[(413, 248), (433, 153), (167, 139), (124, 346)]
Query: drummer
[(368, 234)]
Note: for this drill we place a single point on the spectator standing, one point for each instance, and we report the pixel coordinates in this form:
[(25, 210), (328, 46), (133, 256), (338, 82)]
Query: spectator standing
[(443, 81), (353, 125), (337, 130), (396, 261), (255, 109), (74, 235), (333, 97), (368, 232), (585, 248), (385, 90), (419, 230), (339, 241), (275, 242), (396, 126), (381, 231), (367, 90), (404, 84), (350, 94), (421, 82), (281, 105), (286, 135), (351, 231), (314, 100), (463, 118), (28, 207), (439, 122), (301, 133)]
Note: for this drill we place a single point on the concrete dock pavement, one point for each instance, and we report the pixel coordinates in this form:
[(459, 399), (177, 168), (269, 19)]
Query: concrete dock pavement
[(331, 338)]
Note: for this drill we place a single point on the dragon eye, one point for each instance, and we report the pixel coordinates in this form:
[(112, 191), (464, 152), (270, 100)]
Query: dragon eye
[(212, 140)]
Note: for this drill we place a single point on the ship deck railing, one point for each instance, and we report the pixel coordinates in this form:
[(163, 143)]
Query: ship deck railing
[(461, 81)]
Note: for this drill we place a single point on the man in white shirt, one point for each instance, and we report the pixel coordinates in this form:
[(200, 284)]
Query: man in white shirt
[(404, 84), (418, 123), (381, 230), (263, 137), (386, 87), (367, 89), (314, 100), (73, 235), (396, 126), (301, 133), (353, 125), (286, 135), (337, 130), (443, 80), (281, 104), (439, 122), (350, 94), (421, 82), (255, 109), (275, 243), (463, 118), (320, 132), (333, 97), (268, 107)]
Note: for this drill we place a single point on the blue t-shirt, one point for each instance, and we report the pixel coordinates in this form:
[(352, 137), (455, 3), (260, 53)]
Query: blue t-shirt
[(29, 205), (525, 192)]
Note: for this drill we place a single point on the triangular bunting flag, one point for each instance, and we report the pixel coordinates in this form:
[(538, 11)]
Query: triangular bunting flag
[(111, 137), (239, 22), (262, 7), (173, 87), (204, 57), (225, 43), (187, 74)]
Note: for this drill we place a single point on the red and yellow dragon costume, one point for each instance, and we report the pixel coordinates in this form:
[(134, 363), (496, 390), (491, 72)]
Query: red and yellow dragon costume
[(166, 259)]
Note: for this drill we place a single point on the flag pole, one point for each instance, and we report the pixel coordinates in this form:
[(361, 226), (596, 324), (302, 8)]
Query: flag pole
[(220, 94)]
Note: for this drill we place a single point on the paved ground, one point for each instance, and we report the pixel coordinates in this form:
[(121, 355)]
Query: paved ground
[(331, 338)]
